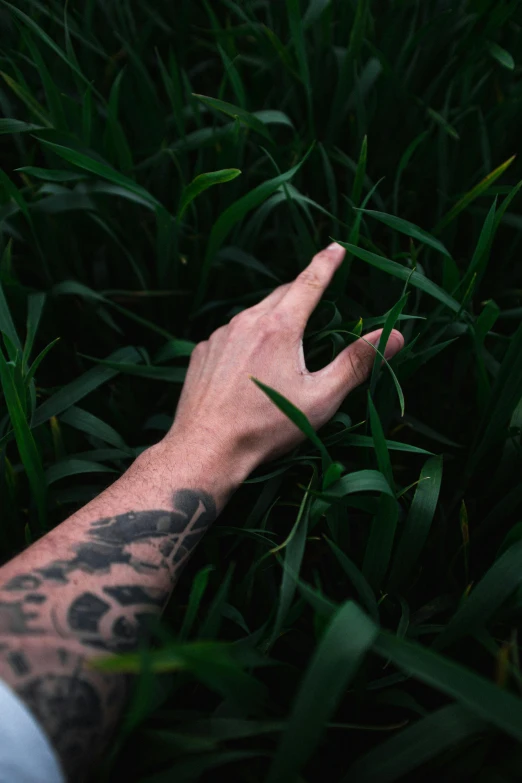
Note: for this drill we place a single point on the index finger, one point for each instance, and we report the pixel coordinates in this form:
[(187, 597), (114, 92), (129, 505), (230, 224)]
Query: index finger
[(305, 293)]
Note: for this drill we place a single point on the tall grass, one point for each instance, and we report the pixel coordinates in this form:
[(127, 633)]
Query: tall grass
[(354, 614)]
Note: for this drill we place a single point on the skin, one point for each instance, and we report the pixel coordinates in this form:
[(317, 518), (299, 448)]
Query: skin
[(89, 586)]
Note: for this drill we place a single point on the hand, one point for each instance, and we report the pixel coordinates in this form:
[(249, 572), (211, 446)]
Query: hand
[(221, 409)]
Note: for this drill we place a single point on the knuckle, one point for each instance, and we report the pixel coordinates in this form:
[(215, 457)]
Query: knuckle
[(271, 323), (310, 278), (217, 334), (199, 350), (359, 366), (242, 319), (234, 321)]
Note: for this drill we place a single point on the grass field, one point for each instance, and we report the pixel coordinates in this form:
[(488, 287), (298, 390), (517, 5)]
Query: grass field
[(331, 627)]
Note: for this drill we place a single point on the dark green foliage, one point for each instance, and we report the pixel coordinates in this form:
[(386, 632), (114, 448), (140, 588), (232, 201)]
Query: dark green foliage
[(297, 646)]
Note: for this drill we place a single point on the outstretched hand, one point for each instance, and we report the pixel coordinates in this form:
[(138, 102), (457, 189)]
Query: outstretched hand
[(222, 408)]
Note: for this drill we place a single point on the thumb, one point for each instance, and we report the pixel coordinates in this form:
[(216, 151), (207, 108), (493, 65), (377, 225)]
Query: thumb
[(353, 365)]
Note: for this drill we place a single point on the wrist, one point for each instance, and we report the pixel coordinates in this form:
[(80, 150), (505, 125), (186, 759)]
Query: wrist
[(197, 459)]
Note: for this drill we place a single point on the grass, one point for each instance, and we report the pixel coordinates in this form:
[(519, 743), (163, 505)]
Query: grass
[(354, 615)]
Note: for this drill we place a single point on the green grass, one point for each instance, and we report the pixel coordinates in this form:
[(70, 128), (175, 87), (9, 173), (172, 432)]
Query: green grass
[(354, 614)]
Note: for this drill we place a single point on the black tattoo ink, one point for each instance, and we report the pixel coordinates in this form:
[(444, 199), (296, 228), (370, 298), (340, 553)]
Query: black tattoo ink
[(131, 631), (68, 702), (110, 539), (166, 548), (18, 663), (56, 572), (85, 612), (70, 709), (23, 582), (123, 629), (129, 595), (35, 598), (14, 619)]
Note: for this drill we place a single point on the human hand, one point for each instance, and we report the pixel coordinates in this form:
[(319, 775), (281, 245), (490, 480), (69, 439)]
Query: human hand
[(222, 410)]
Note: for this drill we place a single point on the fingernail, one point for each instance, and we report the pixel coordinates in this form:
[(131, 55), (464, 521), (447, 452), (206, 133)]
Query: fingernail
[(394, 344), (335, 246)]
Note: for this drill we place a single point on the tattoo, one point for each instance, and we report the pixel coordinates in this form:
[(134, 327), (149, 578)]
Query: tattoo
[(70, 703), (23, 582), (128, 595), (14, 618), (86, 611), (116, 540), (76, 710), (144, 543), (18, 663), (35, 598), (102, 597)]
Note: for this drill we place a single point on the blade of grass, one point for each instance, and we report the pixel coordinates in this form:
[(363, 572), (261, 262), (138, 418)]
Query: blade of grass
[(380, 542), (335, 662), (100, 169), (92, 425), (366, 442), (474, 193), (472, 691), (297, 417), (17, 126), (403, 273), (391, 320), (244, 116), (495, 587), (197, 591), (52, 94), (295, 20), (358, 481), (293, 558), (26, 97), (403, 163), (504, 397), (417, 744), (360, 173), (80, 387), (486, 320), (170, 374), (482, 250), (501, 56), (74, 467), (365, 592), (6, 323), (201, 183), (236, 212), (418, 523), (25, 442), (410, 229), (39, 33), (379, 441), (35, 307)]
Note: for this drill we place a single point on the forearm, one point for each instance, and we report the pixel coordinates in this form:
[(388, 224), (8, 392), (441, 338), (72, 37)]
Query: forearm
[(90, 587)]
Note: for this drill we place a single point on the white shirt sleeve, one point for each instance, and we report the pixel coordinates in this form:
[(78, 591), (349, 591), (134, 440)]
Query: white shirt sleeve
[(26, 755)]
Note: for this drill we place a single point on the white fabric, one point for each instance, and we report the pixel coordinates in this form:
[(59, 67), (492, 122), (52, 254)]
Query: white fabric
[(26, 755)]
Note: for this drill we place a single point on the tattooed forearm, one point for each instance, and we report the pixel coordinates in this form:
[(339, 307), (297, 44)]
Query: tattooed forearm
[(126, 565), (99, 597)]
